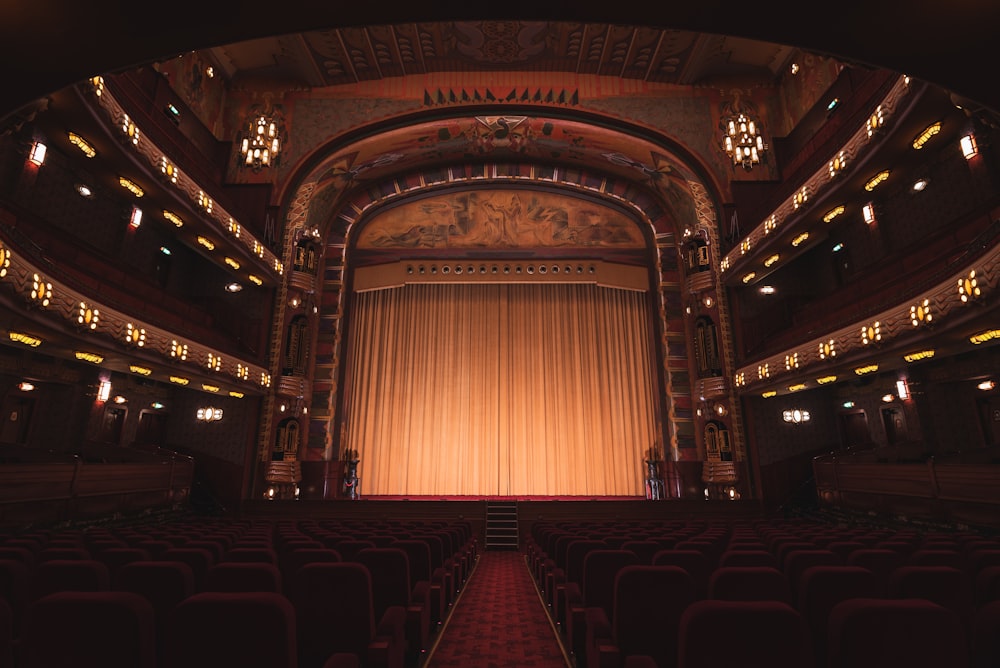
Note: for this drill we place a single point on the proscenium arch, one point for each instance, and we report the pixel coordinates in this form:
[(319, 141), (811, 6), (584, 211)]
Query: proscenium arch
[(662, 185)]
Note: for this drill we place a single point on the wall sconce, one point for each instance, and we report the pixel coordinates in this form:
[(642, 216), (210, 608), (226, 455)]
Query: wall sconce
[(135, 220), (986, 385), (795, 416), (209, 414), (25, 386), (37, 154), (868, 211), (969, 147), (119, 399), (902, 389), (888, 398)]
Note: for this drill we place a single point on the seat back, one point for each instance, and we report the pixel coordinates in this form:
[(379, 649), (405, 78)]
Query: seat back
[(768, 634), (823, 587), (334, 608), (111, 629), (69, 575), (880, 632), (243, 576), (944, 585), (649, 601), (211, 629), (749, 583)]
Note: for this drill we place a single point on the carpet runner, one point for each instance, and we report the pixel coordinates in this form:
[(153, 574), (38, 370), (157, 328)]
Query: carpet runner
[(498, 621)]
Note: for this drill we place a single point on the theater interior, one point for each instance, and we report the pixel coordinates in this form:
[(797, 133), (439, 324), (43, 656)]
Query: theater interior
[(712, 275)]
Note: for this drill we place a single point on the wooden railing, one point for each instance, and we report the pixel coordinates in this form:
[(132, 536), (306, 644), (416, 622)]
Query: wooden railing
[(57, 487), (962, 490)]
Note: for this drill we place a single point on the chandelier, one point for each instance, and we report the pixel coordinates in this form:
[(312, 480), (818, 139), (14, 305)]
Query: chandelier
[(743, 141), (261, 143)]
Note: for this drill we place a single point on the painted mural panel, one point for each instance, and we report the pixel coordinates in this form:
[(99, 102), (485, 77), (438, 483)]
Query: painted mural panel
[(505, 218)]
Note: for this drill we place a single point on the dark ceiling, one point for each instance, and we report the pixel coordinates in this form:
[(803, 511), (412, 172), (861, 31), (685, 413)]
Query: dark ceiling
[(48, 44)]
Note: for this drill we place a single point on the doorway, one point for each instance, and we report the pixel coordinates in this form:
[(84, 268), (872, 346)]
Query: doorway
[(854, 433), (16, 413)]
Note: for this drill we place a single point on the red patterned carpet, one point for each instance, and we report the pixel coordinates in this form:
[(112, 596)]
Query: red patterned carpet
[(499, 621)]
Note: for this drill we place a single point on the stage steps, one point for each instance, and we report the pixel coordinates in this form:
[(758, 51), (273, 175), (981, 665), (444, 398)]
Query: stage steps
[(501, 525)]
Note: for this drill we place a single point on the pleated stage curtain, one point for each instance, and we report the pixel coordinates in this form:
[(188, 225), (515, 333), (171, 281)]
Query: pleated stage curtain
[(502, 389)]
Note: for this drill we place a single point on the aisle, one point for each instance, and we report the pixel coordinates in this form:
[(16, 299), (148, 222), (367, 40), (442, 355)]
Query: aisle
[(499, 621)]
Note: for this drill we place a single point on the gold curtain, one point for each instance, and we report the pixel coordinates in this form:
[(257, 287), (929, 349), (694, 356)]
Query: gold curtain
[(503, 389)]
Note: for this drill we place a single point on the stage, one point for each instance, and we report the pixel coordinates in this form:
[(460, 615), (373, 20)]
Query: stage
[(529, 509)]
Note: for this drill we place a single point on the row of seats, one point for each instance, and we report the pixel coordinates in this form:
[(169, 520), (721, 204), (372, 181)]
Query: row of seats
[(275, 595), (617, 594)]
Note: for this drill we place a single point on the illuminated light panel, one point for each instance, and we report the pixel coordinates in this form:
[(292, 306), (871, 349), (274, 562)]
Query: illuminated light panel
[(141, 370), (968, 287), (232, 263), (875, 121), (253, 279), (749, 277), (213, 362), (868, 368), (173, 218), (921, 313), (41, 290), (763, 371), (88, 357), (800, 198), (135, 336), (279, 266), (87, 317), (27, 340), (179, 380), (926, 135), (169, 169), (871, 333), (130, 186), (795, 416), (745, 246), (4, 260), (920, 355), (234, 228), (205, 202), (877, 180), (210, 388), (235, 395), (178, 350), (771, 260), (37, 154), (797, 241), (724, 264), (833, 213), (265, 379), (98, 84), (838, 164), (81, 143), (740, 379), (983, 337), (791, 361), (770, 224), (130, 129), (769, 394), (206, 243), (258, 248), (796, 387), (826, 380), (242, 372), (827, 349)]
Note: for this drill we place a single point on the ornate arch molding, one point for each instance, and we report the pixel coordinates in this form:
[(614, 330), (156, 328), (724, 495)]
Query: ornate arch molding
[(664, 190)]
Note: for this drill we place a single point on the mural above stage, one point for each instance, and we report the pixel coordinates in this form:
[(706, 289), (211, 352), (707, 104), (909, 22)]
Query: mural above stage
[(504, 218)]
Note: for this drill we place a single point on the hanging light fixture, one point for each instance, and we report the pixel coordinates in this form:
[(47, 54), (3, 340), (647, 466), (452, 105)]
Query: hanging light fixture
[(742, 140), (261, 143)]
